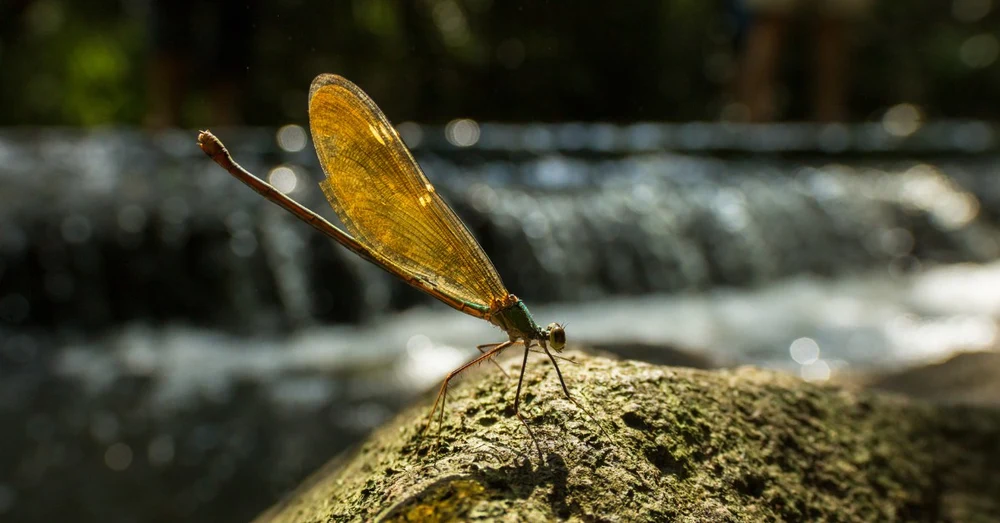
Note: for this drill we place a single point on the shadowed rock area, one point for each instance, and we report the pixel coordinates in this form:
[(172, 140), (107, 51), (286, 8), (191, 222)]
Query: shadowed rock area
[(971, 378), (663, 444)]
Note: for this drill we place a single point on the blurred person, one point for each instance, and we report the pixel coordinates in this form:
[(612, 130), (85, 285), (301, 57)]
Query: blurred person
[(212, 39), (767, 24)]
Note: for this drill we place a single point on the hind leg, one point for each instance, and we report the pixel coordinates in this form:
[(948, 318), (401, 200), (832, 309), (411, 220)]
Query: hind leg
[(443, 392), (483, 349)]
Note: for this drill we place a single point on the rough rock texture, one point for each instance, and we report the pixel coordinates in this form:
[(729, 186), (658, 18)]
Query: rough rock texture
[(666, 444)]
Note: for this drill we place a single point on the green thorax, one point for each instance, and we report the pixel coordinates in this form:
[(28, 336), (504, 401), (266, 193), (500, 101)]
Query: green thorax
[(517, 321)]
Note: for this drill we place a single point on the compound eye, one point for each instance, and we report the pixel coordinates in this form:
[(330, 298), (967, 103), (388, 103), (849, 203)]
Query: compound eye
[(557, 336)]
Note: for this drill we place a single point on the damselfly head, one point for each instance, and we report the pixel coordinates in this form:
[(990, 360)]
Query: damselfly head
[(557, 336)]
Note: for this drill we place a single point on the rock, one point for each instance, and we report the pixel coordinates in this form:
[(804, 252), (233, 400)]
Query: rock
[(665, 444), (968, 378)]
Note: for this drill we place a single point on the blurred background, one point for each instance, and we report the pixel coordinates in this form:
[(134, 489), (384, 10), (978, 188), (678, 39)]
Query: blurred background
[(807, 185)]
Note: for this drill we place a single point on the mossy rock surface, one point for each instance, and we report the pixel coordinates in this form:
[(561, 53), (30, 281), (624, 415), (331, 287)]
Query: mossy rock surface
[(665, 444)]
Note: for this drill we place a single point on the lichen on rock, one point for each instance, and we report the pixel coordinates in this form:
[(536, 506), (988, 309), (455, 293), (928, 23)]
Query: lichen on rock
[(650, 443)]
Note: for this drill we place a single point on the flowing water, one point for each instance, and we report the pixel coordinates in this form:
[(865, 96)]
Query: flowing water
[(163, 326)]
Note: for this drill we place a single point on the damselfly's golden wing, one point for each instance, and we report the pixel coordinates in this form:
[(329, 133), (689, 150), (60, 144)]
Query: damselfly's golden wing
[(386, 202)]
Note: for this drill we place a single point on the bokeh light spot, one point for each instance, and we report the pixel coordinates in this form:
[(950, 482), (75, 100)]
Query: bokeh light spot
[(462, 132), (451, 21), (427, 362), (292, 138), (805, 351), (76, 229), (418, 343), (283, 178), (131, 218), (979, 51), (902, 120), (243, 243), (411, 133), (818, 370), (45, 17), (161, 450), (104, 427), (969, 11), (118, 457)]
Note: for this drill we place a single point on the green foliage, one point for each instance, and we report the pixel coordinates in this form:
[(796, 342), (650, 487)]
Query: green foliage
[(74, 65), (97, 87), (86, 63)]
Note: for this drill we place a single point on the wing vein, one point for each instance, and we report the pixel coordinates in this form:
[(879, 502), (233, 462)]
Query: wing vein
[(385, 200)]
